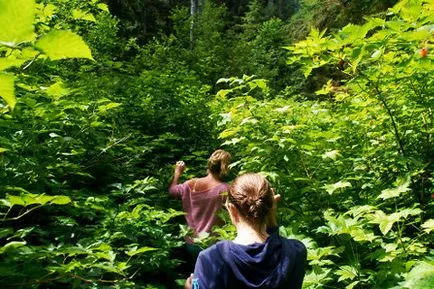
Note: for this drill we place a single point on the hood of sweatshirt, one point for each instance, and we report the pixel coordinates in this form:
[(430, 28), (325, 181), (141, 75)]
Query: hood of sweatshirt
[(259, 265)]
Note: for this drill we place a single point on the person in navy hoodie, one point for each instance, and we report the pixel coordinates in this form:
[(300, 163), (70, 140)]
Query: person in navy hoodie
[(258, 257)]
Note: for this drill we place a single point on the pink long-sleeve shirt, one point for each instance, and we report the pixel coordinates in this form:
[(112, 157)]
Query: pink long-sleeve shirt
[(201, 207)]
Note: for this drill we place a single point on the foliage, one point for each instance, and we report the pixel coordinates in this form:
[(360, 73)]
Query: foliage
[(85, 115), (361, 154), (79, 133)]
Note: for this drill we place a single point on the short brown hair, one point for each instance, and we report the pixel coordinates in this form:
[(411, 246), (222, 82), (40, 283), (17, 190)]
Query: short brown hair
[(253, 197), (218, 163)]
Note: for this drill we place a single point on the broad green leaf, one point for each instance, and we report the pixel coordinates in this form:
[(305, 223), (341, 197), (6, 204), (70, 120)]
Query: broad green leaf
[(134, 251), (331, 154), (103, 7), (101, 247), (6, 63), (57, 90), (428, 226), (351, 285), (107, 255), (16, 21), (396, 192), (80, 14), (15, 200), (228, 133), (105, 107), (420, 277), (27, 199), (2, 150), (384, 221), (60, 200), (318, 275), (63, 44), (333, 187), (346, 272), (7, 89), (13, 244)]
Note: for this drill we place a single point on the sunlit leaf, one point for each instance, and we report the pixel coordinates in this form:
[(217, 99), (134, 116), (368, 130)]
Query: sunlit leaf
[(331, 188), (346, 272), (63, 44), (57, 90), (395, 192), (16, 21), (428, 226), (12, 245), (135, 251), (83, 15), (7, 89), (420, 277), (7, 62)]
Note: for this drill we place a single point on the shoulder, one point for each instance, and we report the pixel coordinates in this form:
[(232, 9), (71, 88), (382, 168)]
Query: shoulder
[(297, 247), (216, 252), (190, 183), (211, 251), (223, 187)]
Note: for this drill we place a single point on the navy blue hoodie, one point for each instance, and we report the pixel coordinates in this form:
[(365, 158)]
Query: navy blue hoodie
[(276, 263)]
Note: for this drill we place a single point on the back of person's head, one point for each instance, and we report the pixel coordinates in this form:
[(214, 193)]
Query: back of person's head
[(252, 195), (218, 163)]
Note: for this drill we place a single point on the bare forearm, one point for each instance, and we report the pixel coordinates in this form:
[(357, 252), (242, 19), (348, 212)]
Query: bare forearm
[(175, 180)]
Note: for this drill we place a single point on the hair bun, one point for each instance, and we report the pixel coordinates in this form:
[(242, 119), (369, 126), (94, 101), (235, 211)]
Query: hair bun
[(253, 196)]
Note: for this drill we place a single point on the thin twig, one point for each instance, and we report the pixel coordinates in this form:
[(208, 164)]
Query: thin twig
[(31, 61), (23, 214)]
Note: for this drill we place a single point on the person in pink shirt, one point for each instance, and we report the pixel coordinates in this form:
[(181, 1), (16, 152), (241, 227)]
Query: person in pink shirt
[(202, 198)]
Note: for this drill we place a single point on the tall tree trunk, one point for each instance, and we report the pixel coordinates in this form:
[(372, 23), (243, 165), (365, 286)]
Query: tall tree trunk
[(193, 10)]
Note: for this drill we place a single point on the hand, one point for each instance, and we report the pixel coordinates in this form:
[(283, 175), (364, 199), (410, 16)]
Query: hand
[(179, 167), (188, 282)]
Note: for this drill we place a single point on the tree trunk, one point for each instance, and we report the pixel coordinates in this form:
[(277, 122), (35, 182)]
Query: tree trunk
[(193, 10)]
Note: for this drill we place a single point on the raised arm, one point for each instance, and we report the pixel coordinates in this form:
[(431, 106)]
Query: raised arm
[(179, 169)]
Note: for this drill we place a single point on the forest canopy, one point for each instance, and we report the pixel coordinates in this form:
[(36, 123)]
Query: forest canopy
[(331, 100)]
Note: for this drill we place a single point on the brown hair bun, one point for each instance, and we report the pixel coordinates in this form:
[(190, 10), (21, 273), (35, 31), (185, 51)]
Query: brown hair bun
[(218, 163), (252, 195)]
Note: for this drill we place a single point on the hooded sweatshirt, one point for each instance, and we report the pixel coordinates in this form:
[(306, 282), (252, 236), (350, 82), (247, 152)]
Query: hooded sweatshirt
[(276, 263)]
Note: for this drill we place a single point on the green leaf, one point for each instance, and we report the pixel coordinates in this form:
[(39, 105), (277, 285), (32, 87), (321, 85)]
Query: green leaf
[(351, 285), (103, 7), (60, 200), (228, 133), (331, 154), (428, 226), (6, 63), (80, 14), (7, 89), (16, 21), (63, 44), (13, 244), (105, 107), (384, 221), (346, 272), (57, 90), (26, 199), (2, 150), (421, 276), (396, 192), (134, 251), (333, 187)]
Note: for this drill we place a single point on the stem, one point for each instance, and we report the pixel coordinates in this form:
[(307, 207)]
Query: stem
[(31, 61), (386, 106), (22, 215)]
